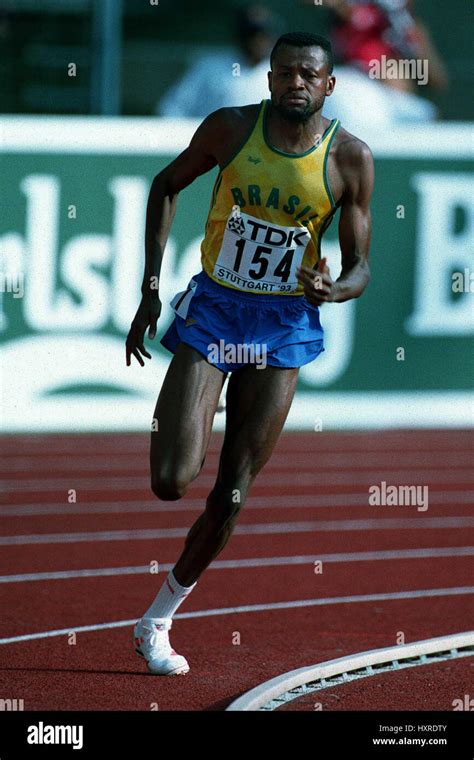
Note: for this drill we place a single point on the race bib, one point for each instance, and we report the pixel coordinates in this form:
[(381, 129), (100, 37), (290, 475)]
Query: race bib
[(258, 256)]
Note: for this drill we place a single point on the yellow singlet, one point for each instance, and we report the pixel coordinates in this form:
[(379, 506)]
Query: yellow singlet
[(269, 210)]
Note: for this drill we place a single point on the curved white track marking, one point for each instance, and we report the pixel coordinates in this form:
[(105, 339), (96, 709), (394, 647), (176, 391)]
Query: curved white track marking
[(247, 608), (413, 523), (229, 564), (270, 690), (194, 503), (279, 478), (395, 665)]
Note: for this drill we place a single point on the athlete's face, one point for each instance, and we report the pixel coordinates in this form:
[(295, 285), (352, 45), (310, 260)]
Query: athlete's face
[(299, 81)]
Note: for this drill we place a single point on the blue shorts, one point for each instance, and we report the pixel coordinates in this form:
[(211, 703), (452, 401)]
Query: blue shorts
[(231, 329)]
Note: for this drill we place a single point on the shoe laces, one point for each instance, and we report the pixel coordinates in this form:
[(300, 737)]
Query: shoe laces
[(155, 635)]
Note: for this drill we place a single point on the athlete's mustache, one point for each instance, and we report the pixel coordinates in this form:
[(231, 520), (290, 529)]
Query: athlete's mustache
[(295, 95)]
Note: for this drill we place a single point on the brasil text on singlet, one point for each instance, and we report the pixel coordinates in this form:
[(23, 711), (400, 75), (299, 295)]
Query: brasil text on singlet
[(269, 210)]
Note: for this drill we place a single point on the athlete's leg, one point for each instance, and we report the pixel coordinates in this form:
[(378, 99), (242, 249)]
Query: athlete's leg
[(258, 401), (184, 411)]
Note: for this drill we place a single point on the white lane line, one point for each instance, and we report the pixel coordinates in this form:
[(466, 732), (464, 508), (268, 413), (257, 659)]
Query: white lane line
[(104, 446), (316, 479), (34, 447), (230, 564), (325, 601), (193, 503), (420, 522), (303, 462)]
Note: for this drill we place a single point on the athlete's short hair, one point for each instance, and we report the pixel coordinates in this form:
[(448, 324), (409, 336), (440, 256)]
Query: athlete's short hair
[(305, 39)]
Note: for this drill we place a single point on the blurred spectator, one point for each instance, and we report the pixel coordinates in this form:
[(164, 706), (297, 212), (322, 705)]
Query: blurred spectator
[(363, 32), (237, 76)]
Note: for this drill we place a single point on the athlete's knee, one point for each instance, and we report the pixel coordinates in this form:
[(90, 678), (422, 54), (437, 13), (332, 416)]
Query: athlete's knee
[(169, 486), (168, 489)]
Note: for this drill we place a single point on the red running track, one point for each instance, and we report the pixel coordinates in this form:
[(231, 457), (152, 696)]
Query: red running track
[(386, 571)]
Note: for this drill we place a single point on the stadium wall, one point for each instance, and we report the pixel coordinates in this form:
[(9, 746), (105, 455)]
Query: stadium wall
[(71, 236)]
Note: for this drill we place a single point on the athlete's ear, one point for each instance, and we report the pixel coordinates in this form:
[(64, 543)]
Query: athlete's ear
[(330, 85), (270, 73)]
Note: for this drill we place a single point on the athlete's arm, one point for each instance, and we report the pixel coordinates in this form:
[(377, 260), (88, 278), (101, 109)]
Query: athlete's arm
[(355, 223), (197, 159), (356, 167)]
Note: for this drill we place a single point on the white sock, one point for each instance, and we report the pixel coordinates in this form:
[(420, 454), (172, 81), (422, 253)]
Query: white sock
[(169, 598)]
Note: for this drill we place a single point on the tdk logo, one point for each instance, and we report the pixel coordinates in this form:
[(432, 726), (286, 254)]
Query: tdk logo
[(42, 734)]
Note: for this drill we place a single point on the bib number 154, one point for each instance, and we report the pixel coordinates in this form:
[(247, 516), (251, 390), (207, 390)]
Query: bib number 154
[(259, 262)]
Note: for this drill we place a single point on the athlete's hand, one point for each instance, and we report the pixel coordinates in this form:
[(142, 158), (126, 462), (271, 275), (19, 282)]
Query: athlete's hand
[(147, 316), (319, 287)]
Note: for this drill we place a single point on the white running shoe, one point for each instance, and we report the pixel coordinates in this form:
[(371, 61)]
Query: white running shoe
[(150, 636)]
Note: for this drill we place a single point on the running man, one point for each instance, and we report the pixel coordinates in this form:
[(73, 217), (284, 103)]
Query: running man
[(254, 309)]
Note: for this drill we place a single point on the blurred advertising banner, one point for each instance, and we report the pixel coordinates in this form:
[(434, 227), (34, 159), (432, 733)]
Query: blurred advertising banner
[(74, 194)]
